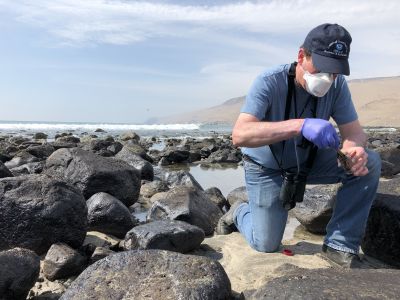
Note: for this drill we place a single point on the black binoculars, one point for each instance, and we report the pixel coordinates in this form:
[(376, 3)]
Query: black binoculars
[(292, 189)]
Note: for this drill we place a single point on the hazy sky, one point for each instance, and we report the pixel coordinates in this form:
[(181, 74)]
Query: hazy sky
[(127, 61)]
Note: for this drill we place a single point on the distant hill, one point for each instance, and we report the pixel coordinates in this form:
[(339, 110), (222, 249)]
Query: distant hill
[(377, 101)]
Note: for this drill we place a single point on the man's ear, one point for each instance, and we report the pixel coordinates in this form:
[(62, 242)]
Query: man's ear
[(300, 56)]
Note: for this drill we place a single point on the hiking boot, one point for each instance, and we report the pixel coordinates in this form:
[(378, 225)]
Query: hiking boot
[(342, 259), (225, 224)]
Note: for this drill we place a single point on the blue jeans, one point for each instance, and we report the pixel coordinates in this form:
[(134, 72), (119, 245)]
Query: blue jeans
[(262, 221)]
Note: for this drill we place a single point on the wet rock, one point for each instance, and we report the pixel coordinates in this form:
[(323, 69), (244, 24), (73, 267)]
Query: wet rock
[(109, 215), (37, 211), (92, 174), (176, 156), (187, 204), (169, 235), (4, 171), (100, 130), (62, 261), (18, 273), (154, 274), (382, 234), (316, 209), (298, 283), (143, 166)]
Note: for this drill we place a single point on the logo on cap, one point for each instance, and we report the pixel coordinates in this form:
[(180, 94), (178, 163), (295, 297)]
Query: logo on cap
[(337, 48)]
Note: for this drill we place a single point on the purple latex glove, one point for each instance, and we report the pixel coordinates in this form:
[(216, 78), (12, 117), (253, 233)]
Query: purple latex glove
[(321, 133)]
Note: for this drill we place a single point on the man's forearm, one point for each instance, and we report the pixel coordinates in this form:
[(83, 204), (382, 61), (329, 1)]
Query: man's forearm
[(355, 140), (256, 134)]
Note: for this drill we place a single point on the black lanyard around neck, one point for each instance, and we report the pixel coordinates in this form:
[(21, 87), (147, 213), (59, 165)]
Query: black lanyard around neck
[(292, 95)]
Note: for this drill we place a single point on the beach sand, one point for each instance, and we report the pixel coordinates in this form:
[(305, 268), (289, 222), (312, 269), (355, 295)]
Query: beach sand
[(248, 269)]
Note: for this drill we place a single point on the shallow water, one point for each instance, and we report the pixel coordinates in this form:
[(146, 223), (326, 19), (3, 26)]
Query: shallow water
[(225, 177)]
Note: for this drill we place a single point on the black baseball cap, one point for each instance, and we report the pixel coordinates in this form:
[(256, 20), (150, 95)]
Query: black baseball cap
[(329, 45)]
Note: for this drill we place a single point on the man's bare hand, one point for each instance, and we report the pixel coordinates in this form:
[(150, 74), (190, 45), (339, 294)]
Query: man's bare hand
[(358, 159)]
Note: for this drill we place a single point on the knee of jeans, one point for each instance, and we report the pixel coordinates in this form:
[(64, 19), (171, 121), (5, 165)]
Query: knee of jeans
[(266, 246), (374, 163)]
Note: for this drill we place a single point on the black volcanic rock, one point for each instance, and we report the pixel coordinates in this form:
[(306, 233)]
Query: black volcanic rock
[(37, 211), (18, 273), (92, 174), (109, 215), (169, 235), (187, 204), (153, 274)]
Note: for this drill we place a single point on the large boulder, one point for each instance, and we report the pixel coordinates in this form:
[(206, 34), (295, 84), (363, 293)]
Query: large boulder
[(169, 235), (109, 215), (37, 211), (143, 166), (187, 204), (316, 209), (92, 174), (18, 273), (299, 283), (151, 274), (382, 234)]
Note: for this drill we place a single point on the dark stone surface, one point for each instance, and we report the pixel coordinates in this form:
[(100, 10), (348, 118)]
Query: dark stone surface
[(382, 234), (151, 188), (151, 274), (169, 235), (187, 204), (391, 155), (18, 273), (316, 209), (37, 211), (215, 195), (29, 168), (4, 171), (177, 178), (109, 215), (21, 158), (331, 284), (62, 261), (42, 151), (143, 166), (239, 193), (92, 174)]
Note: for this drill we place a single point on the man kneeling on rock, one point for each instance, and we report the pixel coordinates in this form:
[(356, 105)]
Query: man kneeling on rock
[(287, 141)]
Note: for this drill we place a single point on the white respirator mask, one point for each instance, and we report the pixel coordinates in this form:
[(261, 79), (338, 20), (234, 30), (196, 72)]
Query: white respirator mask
[(318, 84)]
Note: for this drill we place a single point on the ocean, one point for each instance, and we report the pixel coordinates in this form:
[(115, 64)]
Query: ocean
[(226, 177), (28, 128)]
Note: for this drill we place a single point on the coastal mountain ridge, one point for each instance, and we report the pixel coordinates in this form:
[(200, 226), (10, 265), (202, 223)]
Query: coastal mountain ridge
[(377, 101)]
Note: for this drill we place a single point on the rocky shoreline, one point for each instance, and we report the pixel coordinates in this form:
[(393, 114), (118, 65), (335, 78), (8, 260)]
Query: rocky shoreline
[(68, 230)]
